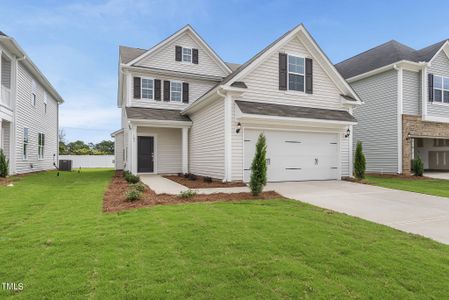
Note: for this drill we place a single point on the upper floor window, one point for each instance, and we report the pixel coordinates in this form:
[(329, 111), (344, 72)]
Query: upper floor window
[(441, 89), (45, 102), (296, 73), (175, 91), (187, 55), (33, 93), (147, 88)]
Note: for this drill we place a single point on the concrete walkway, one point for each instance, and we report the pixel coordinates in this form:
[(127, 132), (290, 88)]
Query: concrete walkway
[(161, 185), (411, 212), (437, 175)]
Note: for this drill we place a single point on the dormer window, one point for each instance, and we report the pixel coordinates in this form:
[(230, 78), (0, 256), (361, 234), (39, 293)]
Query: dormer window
[(296, 73), (441, 89), (187, 55)]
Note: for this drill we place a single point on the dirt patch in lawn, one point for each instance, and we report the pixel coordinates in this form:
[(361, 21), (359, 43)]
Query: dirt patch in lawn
[(200, 182), (115, 199)]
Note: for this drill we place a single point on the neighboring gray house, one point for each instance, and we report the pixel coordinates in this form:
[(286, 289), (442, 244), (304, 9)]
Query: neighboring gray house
[(185, 110), (406, 105), (28, 111)]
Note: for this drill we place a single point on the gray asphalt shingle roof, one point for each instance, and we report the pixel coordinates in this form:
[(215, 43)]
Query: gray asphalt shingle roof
[(2, 33), (383, 55), (127, 54), (289, 111), (155, 114)]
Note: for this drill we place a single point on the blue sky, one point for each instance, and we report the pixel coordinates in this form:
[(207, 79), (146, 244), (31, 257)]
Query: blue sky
[(76, 43)]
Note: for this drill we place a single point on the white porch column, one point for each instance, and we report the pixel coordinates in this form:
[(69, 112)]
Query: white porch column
[(134, 149), (185, 150), (228, 138), (1, 134)]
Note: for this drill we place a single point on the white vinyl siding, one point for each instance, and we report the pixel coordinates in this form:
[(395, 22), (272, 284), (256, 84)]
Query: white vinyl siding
[(439, 67), (411, 93), (263, 83), (345, 155), (168, 148), (207, 141), (197, 88), (377, 119), (37, 121), (164, 58), (6, 136)]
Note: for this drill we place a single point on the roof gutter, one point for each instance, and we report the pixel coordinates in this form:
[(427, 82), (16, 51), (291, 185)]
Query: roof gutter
[(16, 49)]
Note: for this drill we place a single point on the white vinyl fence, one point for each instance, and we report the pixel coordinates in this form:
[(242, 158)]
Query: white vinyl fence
[(90, 161)]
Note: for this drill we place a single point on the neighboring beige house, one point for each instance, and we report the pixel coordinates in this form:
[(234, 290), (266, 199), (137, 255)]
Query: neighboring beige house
[(28, 112), (406, 105), (184, 110)]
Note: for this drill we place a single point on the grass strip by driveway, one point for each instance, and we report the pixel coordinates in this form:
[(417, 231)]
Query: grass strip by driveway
[(430, 186), (55, 239)]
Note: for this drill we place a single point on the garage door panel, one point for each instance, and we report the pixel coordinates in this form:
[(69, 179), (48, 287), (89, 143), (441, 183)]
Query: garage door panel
[(295, 155)]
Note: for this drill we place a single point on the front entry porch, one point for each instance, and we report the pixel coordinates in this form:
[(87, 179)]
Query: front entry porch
[(428, 140), (157, 150)]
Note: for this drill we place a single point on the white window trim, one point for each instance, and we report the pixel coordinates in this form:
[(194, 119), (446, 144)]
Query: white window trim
[(442, 91), (45, 101), (40, 146), (182, 55), (289, 91), (25, 153), (180, 82), (141, 89)]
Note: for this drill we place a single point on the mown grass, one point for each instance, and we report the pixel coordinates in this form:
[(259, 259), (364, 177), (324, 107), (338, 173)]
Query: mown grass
[(435, 187), (57, 241)]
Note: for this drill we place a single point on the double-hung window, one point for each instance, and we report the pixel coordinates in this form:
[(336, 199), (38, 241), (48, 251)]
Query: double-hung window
[(441, 89), (147, 88), (175, 91), (40, 145), (296, 72), (25, 143), (187, 55), (45, 102), (33, 93)]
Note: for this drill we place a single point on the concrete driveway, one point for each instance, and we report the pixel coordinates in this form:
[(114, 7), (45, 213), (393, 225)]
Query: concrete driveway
[(407, 211), (437, 175)]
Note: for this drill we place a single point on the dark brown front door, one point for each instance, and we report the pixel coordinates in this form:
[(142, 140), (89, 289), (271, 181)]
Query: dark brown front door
[(145, 154)]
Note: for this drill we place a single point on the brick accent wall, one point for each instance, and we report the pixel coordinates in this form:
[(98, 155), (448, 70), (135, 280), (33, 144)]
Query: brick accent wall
[(418, 128)]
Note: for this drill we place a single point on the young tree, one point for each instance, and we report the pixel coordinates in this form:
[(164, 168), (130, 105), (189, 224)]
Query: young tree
[(105, 147), (259, 167), (3, 164), (359, 162), (418, 166)]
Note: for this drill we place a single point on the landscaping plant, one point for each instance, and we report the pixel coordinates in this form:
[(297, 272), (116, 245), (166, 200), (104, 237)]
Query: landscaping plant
[(418, 167), (138, 186), (3, 164), (259, 167), (359, 162), (131, 178), (133, 195), (187, 194)]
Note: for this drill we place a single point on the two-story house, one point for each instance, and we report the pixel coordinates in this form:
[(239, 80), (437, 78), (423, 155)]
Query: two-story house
[(186, 110), (29, 109), (406, 105)]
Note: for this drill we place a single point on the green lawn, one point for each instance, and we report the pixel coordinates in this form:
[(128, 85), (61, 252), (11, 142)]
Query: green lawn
[(436, 187), (56, 240)]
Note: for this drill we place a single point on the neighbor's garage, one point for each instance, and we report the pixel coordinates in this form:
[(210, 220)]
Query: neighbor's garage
[(295, 156)]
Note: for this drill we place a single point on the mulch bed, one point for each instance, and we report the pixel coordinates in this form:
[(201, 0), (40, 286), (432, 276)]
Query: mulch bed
[(199, 183), (115, 199)]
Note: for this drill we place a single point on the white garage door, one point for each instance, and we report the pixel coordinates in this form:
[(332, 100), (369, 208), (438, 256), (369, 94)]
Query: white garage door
[(293, 156)]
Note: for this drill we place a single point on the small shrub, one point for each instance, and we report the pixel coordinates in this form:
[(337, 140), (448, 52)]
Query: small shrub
[(131, 178), (359, 162), (138, 186), (207, 179), (133, 195), (186, 175), (418, 167), (180, 174), (192, 177), (187, 194), (3, 164), (259, 167)]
